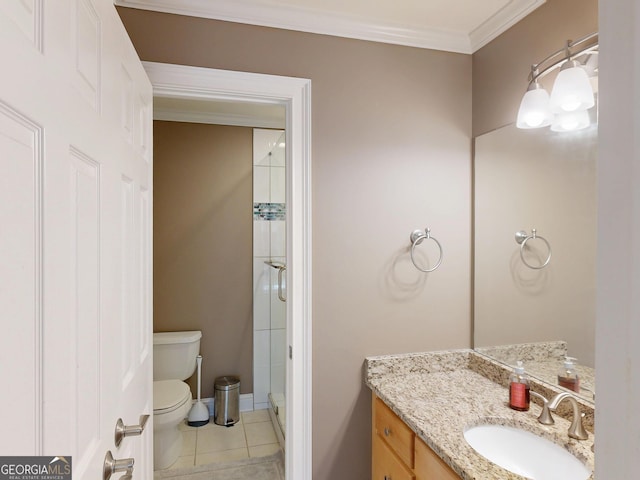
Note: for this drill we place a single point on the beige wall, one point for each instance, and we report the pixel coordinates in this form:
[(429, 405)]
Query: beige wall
[(391, 148), (202, 241), (500, 68)]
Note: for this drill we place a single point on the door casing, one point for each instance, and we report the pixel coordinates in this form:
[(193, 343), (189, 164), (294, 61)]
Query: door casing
[(178, 81)]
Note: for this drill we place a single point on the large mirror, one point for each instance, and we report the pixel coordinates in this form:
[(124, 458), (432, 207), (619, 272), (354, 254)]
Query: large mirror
[(523, 309)]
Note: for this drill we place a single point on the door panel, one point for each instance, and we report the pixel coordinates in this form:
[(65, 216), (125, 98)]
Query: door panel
[(75, 210), (85, 289), (27, 16), (20, 291), (86, 34)]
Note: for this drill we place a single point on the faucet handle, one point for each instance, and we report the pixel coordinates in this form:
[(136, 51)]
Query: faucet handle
[(545, 417), (576, 430)]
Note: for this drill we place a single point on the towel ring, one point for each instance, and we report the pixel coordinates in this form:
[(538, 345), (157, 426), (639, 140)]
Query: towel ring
[(416, 239), (522, 238)]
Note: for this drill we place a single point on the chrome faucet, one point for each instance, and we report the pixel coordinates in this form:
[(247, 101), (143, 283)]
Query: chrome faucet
[(576, 430)]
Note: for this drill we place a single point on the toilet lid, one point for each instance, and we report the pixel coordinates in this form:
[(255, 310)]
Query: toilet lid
[(169, 395)]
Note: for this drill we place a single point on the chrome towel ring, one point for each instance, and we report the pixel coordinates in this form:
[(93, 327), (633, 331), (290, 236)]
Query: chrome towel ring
[(417, 236), (522, 238)]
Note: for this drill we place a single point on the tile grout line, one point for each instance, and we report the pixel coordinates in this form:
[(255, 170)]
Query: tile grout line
[(246, 440), (200, 437)]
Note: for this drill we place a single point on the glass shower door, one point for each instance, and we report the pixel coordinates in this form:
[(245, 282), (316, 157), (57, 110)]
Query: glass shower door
[(270, 322), (278, 346), (278, 298)]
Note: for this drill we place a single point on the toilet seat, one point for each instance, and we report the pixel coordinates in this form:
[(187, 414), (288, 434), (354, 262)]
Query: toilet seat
[(169, 395)]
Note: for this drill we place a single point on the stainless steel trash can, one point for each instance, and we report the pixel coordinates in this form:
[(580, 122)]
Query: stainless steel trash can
[(226, 401)]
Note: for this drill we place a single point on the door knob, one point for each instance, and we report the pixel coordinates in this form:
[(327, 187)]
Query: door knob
[(111, 466), (123, 430)]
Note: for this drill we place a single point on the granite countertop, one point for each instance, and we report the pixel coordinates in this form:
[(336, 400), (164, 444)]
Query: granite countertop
[(438, 396)]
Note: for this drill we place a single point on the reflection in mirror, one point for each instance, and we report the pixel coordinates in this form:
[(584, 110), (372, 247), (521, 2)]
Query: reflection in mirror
[(542, 180)]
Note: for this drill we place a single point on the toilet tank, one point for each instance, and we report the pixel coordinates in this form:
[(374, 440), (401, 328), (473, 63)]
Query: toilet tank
[(174, 354)]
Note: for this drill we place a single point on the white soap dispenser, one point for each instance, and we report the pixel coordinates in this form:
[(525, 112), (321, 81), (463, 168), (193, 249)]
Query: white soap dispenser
[(568, 376)]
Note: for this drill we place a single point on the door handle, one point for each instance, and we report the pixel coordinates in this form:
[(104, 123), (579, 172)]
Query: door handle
[(123, 430), (280, 272), (111, 466)]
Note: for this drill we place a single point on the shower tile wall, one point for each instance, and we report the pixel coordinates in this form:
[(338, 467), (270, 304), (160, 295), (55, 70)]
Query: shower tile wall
[(269, 333)]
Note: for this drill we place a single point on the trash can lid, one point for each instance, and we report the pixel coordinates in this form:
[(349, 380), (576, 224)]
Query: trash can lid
[(224, 383)]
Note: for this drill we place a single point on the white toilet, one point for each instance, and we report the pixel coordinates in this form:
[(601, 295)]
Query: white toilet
[(174, 360)]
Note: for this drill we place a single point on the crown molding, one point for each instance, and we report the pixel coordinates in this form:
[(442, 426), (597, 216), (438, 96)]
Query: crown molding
[(312, 21), (501, 21)]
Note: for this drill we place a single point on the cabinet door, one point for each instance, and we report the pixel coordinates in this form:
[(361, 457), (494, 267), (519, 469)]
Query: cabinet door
[(394, 431), (386, 465), (431, 467)]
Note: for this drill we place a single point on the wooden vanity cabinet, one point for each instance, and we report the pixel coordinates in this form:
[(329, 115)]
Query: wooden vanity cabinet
[(392, 445), (386, 465), (398, 454), (430, 466)]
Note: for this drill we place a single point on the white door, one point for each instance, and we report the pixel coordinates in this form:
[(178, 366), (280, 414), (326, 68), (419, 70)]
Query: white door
[(75, 238)]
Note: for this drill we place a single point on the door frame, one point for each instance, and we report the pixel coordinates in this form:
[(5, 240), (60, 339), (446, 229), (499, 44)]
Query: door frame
[(179, 81)]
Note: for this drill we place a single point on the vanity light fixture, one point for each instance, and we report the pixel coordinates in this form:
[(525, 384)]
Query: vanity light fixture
[(572, 90), (569, 121), (572, 93), (534, 109)]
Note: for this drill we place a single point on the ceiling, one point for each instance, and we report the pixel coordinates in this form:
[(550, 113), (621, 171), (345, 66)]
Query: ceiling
[(461, 26)]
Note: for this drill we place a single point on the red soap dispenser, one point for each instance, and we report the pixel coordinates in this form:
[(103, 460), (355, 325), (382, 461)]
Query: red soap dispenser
[(519, 396)]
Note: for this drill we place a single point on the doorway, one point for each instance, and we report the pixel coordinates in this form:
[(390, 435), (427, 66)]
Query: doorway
[(294, 94)]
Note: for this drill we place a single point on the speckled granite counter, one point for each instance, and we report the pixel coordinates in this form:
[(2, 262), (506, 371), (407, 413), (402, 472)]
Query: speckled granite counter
[(438, 396)]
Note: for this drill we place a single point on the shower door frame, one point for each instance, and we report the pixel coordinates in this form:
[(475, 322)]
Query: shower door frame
[(294, 94)]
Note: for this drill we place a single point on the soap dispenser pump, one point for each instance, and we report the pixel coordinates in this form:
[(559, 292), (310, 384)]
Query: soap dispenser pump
[(568, 376), (519, 395)]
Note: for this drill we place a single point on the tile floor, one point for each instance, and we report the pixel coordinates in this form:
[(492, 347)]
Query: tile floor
[(252, 436)]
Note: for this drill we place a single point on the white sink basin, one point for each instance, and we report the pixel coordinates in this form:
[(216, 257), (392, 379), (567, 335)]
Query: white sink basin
[(525, 454)]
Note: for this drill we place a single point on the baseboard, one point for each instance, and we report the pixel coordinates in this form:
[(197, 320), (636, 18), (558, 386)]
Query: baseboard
[(261, 406), (246, 403), (277, 428)]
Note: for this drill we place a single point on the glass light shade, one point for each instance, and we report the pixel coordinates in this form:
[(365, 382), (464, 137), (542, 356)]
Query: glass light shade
[(571, 91), (534, 109), (571, 121), (591, 65)]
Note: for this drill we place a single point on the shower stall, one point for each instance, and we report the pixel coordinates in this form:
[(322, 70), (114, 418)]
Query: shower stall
[(269, 275)]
